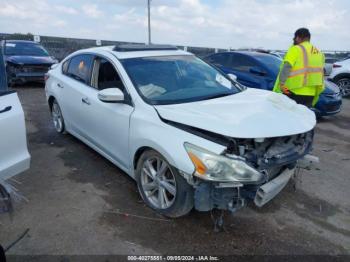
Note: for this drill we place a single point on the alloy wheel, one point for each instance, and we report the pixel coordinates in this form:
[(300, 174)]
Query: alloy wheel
[(57, 117), (344, 85), (158, 182)]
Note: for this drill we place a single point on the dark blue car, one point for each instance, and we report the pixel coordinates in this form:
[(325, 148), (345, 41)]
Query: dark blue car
[(26, 61), (260, 70)]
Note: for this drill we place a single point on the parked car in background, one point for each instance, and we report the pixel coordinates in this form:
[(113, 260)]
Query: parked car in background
[(26, 61), (329, 61), (260, 70), (341, 76), (188, 134)]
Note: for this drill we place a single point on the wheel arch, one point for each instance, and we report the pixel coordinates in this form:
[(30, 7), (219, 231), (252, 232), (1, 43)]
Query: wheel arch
[(340, 76), (50, 101), (138, 154)]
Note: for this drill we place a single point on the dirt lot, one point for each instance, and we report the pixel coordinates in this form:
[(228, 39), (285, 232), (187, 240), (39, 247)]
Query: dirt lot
[(76, 197)]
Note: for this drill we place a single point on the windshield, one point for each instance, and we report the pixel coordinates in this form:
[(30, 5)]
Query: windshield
[(270, 61), (177, 79), (25, 49)]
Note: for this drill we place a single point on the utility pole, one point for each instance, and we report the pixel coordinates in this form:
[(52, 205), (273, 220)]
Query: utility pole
[(149, 21)]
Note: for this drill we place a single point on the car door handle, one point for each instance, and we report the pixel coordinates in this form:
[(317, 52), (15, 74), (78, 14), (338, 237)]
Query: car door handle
[(85, 101), (8, 108), (59, 85)]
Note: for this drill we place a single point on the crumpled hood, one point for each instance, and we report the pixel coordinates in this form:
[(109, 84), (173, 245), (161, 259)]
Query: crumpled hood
[(32, 60), (252, 113)]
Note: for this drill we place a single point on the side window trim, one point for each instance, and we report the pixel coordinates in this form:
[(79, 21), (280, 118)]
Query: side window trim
[(127, 93), (62, 68)]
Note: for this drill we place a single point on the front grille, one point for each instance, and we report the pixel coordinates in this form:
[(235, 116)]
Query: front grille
[(36, 69), (331, 108)]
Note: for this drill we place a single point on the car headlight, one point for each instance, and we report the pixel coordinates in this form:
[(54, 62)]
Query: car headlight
[(214, 167)]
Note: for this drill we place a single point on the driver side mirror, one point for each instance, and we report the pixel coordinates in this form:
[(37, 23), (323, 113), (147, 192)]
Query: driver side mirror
[(111, 95), (257, 71), (232, 77)]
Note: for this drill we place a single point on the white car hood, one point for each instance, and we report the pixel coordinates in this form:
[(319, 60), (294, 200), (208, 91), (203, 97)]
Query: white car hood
[(252, 113)]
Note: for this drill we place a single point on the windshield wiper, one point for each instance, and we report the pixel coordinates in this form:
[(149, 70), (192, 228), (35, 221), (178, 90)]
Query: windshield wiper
[(216, 96)]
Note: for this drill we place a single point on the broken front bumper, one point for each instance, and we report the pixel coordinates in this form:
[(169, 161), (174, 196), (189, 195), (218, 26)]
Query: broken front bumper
[(233, 196), (26, 77), (25, 73), (269, 190)]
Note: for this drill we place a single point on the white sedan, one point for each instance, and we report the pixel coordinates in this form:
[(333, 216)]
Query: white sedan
[(188, 134)]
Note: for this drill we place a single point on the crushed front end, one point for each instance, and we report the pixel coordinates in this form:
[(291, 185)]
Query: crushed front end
[(21, 73), (248, 170)]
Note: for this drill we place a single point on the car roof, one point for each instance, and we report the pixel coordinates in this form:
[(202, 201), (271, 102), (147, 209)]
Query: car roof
[(249, 53), (136, 53), (21, 41)]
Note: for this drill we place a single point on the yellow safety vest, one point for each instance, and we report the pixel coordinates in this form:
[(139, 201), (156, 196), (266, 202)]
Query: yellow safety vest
[(306, 77)]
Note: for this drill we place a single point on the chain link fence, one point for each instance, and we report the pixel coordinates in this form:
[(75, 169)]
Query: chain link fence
[(60, 47)]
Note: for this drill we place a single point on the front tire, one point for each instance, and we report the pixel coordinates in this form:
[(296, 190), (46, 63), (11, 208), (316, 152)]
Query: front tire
[(162, 187), (344, 85), (57, 117)]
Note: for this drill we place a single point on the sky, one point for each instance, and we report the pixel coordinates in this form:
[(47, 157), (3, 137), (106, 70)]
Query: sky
[(266, 24)]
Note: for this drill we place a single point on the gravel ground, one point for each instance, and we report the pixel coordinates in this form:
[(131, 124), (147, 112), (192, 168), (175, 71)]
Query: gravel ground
[(77, 201)]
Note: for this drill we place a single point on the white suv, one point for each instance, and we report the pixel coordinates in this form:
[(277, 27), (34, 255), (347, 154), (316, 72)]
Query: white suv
[(341, 76), (188, 134)]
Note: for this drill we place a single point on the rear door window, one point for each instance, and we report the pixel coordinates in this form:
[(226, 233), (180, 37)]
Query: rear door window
[(80, 68), (242, 63)]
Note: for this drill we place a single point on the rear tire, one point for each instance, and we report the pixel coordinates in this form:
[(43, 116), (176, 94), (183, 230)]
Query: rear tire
[(57, 117), (162, 187)]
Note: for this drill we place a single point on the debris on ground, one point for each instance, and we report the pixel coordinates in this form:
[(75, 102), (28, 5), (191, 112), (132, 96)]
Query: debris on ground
[(16, 241), (8, 195), (137, 216)]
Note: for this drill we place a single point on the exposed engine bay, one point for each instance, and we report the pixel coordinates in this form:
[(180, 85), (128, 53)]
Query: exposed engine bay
[(271, 155), (267, 155), (274, 157)]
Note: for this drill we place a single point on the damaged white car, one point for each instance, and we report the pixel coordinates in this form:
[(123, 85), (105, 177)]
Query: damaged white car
[(188, 134)]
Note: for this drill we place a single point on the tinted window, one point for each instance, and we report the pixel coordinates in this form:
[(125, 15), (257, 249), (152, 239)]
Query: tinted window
[(108, 76), (242, 63), (219, 60), (177, 79), (25, 49), (79, 68), (331, 60), (270, 61)]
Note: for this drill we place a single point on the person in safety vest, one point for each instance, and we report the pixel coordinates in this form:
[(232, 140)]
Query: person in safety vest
[(301, 73)]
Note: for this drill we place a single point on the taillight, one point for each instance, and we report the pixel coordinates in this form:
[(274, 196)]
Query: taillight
[(46, 77), (336, 66)]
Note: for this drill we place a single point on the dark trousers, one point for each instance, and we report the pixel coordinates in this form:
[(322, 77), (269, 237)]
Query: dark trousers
[(2, 254), (304, 100)]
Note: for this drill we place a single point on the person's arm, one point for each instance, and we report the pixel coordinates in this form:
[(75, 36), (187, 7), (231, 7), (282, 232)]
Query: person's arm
[(285, 71), (288, 62)]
